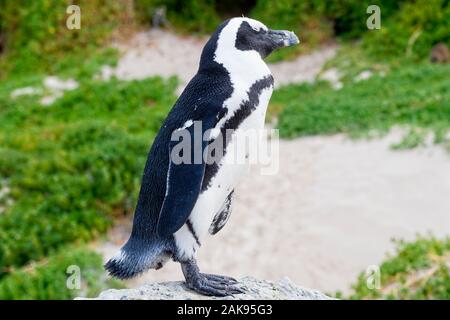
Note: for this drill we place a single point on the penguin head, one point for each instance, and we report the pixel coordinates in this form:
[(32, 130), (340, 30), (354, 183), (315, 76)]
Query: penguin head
[(240, 44), (254, 35)]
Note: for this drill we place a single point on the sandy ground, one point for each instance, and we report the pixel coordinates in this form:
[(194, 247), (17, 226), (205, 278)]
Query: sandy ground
[(161, 53), (331, 210)]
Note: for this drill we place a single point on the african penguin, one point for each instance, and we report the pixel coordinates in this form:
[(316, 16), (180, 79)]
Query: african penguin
[(180, 203)]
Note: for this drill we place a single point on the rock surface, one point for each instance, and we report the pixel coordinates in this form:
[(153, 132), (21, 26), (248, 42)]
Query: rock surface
[(255, 289)]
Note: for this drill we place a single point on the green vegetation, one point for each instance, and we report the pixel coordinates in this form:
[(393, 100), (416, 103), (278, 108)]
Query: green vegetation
[(404, 89), (318, 22), (416, 95), (72, 166), (418, 270), (36, 38), (411, 32), (198, 16), (48, 279)]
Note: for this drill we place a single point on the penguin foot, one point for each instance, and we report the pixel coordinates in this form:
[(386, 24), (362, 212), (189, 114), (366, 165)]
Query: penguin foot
[(220, 278), (208, 284), (212, 288)]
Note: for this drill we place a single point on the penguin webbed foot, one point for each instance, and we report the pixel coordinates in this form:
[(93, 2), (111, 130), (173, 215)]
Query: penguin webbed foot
[(208, 284)]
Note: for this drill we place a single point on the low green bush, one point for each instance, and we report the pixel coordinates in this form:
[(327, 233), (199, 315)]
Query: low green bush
[(187, 16), (48, 279), (411, 31), (73, 165), (417, 270), (416, 95), (35, 36)]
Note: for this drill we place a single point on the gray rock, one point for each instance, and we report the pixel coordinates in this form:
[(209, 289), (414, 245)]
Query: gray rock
[(255, 289)]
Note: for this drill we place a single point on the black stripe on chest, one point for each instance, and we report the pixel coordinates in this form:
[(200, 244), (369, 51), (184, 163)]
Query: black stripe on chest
[(192, 231), (245, 109)]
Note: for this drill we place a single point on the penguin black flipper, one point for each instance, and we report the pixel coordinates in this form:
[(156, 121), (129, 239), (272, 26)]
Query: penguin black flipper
[(221, 218), (184, 180)]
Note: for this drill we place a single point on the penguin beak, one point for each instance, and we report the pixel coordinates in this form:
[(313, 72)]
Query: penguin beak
[(283, 38)]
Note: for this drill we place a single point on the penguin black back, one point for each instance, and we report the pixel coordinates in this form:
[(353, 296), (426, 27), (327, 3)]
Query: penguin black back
[(205, 93)]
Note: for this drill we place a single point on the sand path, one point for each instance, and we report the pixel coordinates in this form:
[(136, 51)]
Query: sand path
[(161, 53)]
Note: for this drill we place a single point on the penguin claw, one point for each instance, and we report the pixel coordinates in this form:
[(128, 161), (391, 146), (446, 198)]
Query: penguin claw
[(236, 290), (220, 278), (206, 290), (206, 285)]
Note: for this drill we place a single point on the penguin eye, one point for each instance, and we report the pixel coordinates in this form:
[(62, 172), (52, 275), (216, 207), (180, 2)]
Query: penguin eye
[(259, 30)]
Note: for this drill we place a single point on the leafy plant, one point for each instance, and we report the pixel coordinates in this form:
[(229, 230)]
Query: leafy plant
[(187, 16), (35, 35), (416, 95), (410, 32), (73, 165), (418, 270), (49, 279)]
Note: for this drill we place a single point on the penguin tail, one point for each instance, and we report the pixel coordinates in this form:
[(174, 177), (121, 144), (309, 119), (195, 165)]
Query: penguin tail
[(135, 258)]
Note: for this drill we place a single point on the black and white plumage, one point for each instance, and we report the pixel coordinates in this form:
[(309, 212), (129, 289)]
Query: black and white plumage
[(180, 203)]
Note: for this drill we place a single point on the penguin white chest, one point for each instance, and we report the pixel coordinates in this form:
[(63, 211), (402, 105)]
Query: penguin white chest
[(232, 167), (235, 163)]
